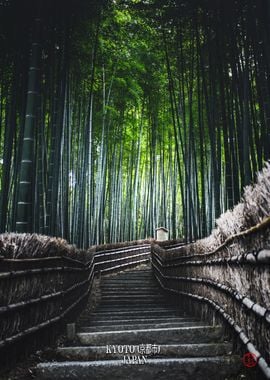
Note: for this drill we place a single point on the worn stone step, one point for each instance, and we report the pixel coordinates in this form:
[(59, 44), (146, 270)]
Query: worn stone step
[(210, 368), (130, 316), (131, 297), (126, 290), (152, 307), (133, 307), (169, 350), (158, 312), (114, 309), (138, 326), (151, 303), (142, 289), (135, 271), (141, 283), (117, 301), (129, 286), (131, 300), (124, 280), (133, 283), (133, 275), (145, 276), (148, 268), (156, 307), (109, 322), (130, 274), (180, 335), (130, 277)]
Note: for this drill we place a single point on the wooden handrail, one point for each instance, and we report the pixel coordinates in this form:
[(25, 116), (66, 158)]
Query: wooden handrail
[(84, 272)]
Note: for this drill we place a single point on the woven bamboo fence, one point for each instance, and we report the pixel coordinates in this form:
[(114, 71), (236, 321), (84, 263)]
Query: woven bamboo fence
[(229, 284), (38, 296)]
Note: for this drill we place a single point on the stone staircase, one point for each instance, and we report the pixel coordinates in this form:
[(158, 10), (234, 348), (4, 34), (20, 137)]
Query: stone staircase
[(137, 332)]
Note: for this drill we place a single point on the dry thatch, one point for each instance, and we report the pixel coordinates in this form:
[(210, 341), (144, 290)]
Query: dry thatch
[(22, 246), (18, 246), (253, 209), (109, 246), (257, 198)]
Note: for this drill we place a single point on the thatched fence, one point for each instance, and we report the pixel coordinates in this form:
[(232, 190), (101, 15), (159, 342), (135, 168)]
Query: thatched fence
[(229, 284), (38, 296)]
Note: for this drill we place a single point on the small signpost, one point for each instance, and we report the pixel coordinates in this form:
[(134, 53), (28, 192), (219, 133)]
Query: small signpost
[(162, 234)]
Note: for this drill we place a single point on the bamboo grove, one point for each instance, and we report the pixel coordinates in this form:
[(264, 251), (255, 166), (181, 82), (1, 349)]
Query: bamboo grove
[(117, 117)]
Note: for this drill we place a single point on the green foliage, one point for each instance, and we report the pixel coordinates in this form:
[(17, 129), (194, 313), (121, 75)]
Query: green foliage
[(150, 113)]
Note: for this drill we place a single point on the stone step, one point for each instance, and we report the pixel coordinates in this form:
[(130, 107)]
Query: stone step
[(210, 368), (155, 298), (148, 278), (130, 275), (153, 304), (147, 268), (126, 289), (158, 312), (115, 279), (169, 350), (131, 297), (131, 300), (142, 289), (134, 273), (138, 326), (133, 307), (130, 285), (112, 291), (180, 335), (134, 283), (117, 301), (109, 322), (125, 280), (130, 316), (130, 294), (116, 309)]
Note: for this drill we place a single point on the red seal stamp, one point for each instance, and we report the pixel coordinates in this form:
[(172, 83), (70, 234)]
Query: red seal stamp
[(250, 360)]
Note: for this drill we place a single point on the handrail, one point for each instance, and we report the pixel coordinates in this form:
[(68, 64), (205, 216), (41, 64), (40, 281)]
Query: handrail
[(200, 281), (251, 258), (63, 285), (120, 250), (250, 305), (254, 229), (262, 363)]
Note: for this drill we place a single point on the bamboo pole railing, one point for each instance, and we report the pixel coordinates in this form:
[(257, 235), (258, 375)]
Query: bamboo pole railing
[(38, 296), (230, 288)]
